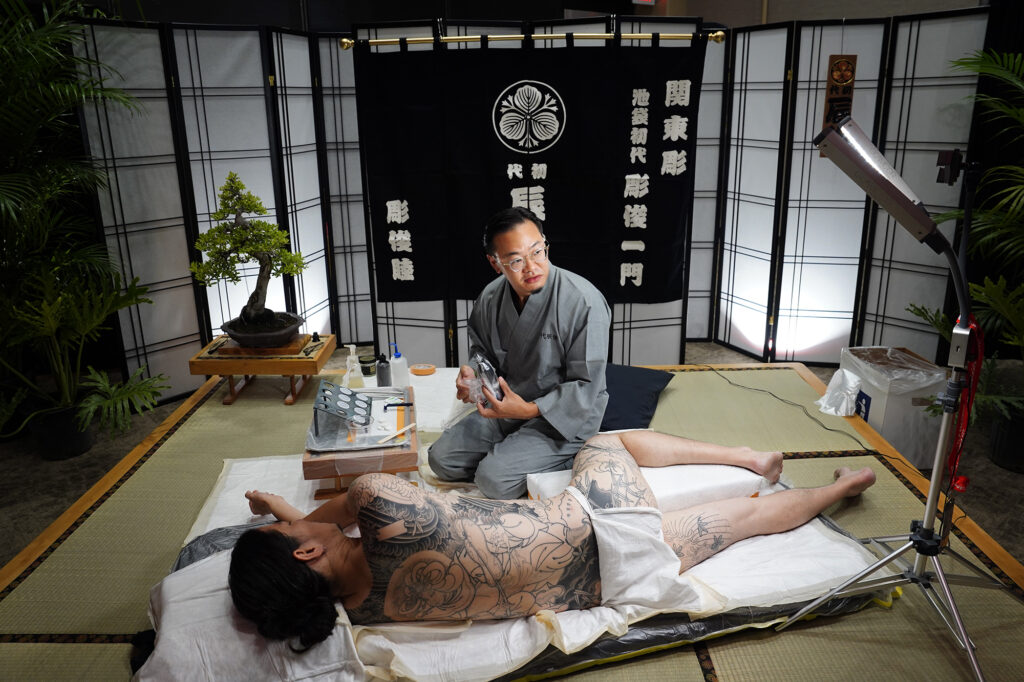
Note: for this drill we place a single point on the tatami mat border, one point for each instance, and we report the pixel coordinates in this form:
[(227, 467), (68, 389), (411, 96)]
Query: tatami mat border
[(707, 666), (92, 508)]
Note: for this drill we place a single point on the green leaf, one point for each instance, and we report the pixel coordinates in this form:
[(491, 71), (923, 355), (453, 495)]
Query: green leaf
[(939, 320), (112, 404)]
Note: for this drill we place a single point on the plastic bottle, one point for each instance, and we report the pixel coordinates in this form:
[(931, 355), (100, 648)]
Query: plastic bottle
[(383, 370), (399, 369), (353, 374)]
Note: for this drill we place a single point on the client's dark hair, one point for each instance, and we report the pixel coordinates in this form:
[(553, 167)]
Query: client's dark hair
[(505, 220), (283, 596)]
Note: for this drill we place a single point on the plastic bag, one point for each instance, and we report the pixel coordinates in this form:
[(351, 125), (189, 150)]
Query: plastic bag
[(840, 397)]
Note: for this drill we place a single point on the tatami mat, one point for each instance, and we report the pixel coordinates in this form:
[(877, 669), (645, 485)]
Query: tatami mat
[(698, 404), (677, 664), (94, 582), (49, 662)]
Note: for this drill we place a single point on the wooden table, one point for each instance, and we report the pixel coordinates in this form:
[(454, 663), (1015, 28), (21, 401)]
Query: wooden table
[(337, 469), (297, 361)]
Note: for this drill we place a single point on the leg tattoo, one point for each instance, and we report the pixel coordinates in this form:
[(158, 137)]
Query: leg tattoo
[(696, 537), (607, 474)]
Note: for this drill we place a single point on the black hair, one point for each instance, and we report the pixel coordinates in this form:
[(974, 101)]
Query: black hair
[(505, 220), (283, 596)]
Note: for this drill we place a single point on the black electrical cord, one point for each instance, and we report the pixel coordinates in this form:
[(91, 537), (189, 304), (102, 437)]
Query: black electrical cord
[(809, 415)]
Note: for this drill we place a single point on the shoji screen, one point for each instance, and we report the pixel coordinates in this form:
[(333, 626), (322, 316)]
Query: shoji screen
[(653, 333), (345, 194), (706, 194), (419, 328), (825, 216), (141, 207), (759, 60), (225, 109), (300, 176), (928, 111)]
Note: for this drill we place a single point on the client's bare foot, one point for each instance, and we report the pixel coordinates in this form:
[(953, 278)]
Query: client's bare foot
[(856, 481), (768, 464)]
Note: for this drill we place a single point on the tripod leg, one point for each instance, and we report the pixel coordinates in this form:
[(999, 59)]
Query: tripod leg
[(863, 574), (951, 606)]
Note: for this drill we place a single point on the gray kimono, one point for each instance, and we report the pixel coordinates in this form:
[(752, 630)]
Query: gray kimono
[(554, 354)]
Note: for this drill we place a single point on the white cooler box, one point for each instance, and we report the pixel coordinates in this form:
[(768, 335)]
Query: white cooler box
[(892, 381)]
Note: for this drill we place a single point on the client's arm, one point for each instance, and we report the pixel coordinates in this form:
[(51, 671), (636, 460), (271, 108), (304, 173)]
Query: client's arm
[(336, 510), (268, 503)]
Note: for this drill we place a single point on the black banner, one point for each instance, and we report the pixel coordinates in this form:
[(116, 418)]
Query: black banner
[(598, 141)]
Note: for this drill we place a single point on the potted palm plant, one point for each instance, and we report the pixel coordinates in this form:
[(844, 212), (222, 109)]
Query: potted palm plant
[(997, 233), (238, 239), (58, 287)]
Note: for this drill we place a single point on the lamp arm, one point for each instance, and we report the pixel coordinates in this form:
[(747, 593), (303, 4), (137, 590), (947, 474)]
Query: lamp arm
[(959, 284)]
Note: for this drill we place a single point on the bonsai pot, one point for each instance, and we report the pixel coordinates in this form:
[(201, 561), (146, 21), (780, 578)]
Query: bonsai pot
[(276, 333), (56, 435)]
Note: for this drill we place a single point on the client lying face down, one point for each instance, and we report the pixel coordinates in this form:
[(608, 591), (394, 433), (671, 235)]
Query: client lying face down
[(429, 556)]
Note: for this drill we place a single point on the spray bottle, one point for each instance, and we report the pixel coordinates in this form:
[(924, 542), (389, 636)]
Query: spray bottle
[(353, 375), (399, 368)]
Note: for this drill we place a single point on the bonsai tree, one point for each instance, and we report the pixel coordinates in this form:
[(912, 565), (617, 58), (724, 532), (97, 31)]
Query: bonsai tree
[(58, 286), (238, 240)]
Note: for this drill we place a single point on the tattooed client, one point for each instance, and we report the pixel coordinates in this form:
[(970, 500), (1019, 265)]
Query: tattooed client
[(428, 556)]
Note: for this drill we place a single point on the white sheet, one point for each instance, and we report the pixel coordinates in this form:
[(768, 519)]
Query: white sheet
[(188, 606)]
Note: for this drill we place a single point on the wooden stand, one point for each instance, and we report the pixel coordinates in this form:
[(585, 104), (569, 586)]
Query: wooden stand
[(297, 361)]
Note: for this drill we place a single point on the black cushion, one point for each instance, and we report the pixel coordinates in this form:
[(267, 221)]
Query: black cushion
[(632, 396)]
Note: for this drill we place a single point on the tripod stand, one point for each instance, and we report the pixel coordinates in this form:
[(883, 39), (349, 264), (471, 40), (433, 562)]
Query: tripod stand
[(926, 572)]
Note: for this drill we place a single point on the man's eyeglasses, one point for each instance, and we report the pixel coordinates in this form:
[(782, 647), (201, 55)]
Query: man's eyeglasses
[(537, 255)]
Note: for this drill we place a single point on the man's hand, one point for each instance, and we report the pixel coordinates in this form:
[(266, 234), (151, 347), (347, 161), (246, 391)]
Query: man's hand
[(512, 407), (461, 387)]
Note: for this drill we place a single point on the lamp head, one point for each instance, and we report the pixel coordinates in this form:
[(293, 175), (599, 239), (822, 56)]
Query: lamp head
[(846, 145)]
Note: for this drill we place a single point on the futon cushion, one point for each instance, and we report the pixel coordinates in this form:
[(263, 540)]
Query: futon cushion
[(200, 636), (632, 396)]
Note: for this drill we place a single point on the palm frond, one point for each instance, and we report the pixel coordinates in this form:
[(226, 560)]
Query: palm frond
[(1003, 66)]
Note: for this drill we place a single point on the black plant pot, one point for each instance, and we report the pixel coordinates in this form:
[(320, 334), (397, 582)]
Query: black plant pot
[(56, 435), (284, 328), (1005, 439)]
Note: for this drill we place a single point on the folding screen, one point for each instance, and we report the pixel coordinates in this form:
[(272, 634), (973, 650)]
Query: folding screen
[(748, 234), (349, 258), (825, 211), (141, 207), (221, 82), (299, 177), (710, 142), (802, 258), (788, 225), (929, 111)]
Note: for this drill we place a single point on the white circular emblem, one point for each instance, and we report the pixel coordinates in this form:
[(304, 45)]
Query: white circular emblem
[(529, 117)]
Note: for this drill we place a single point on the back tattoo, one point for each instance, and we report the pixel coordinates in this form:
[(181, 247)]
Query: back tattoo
[(441, 557)]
